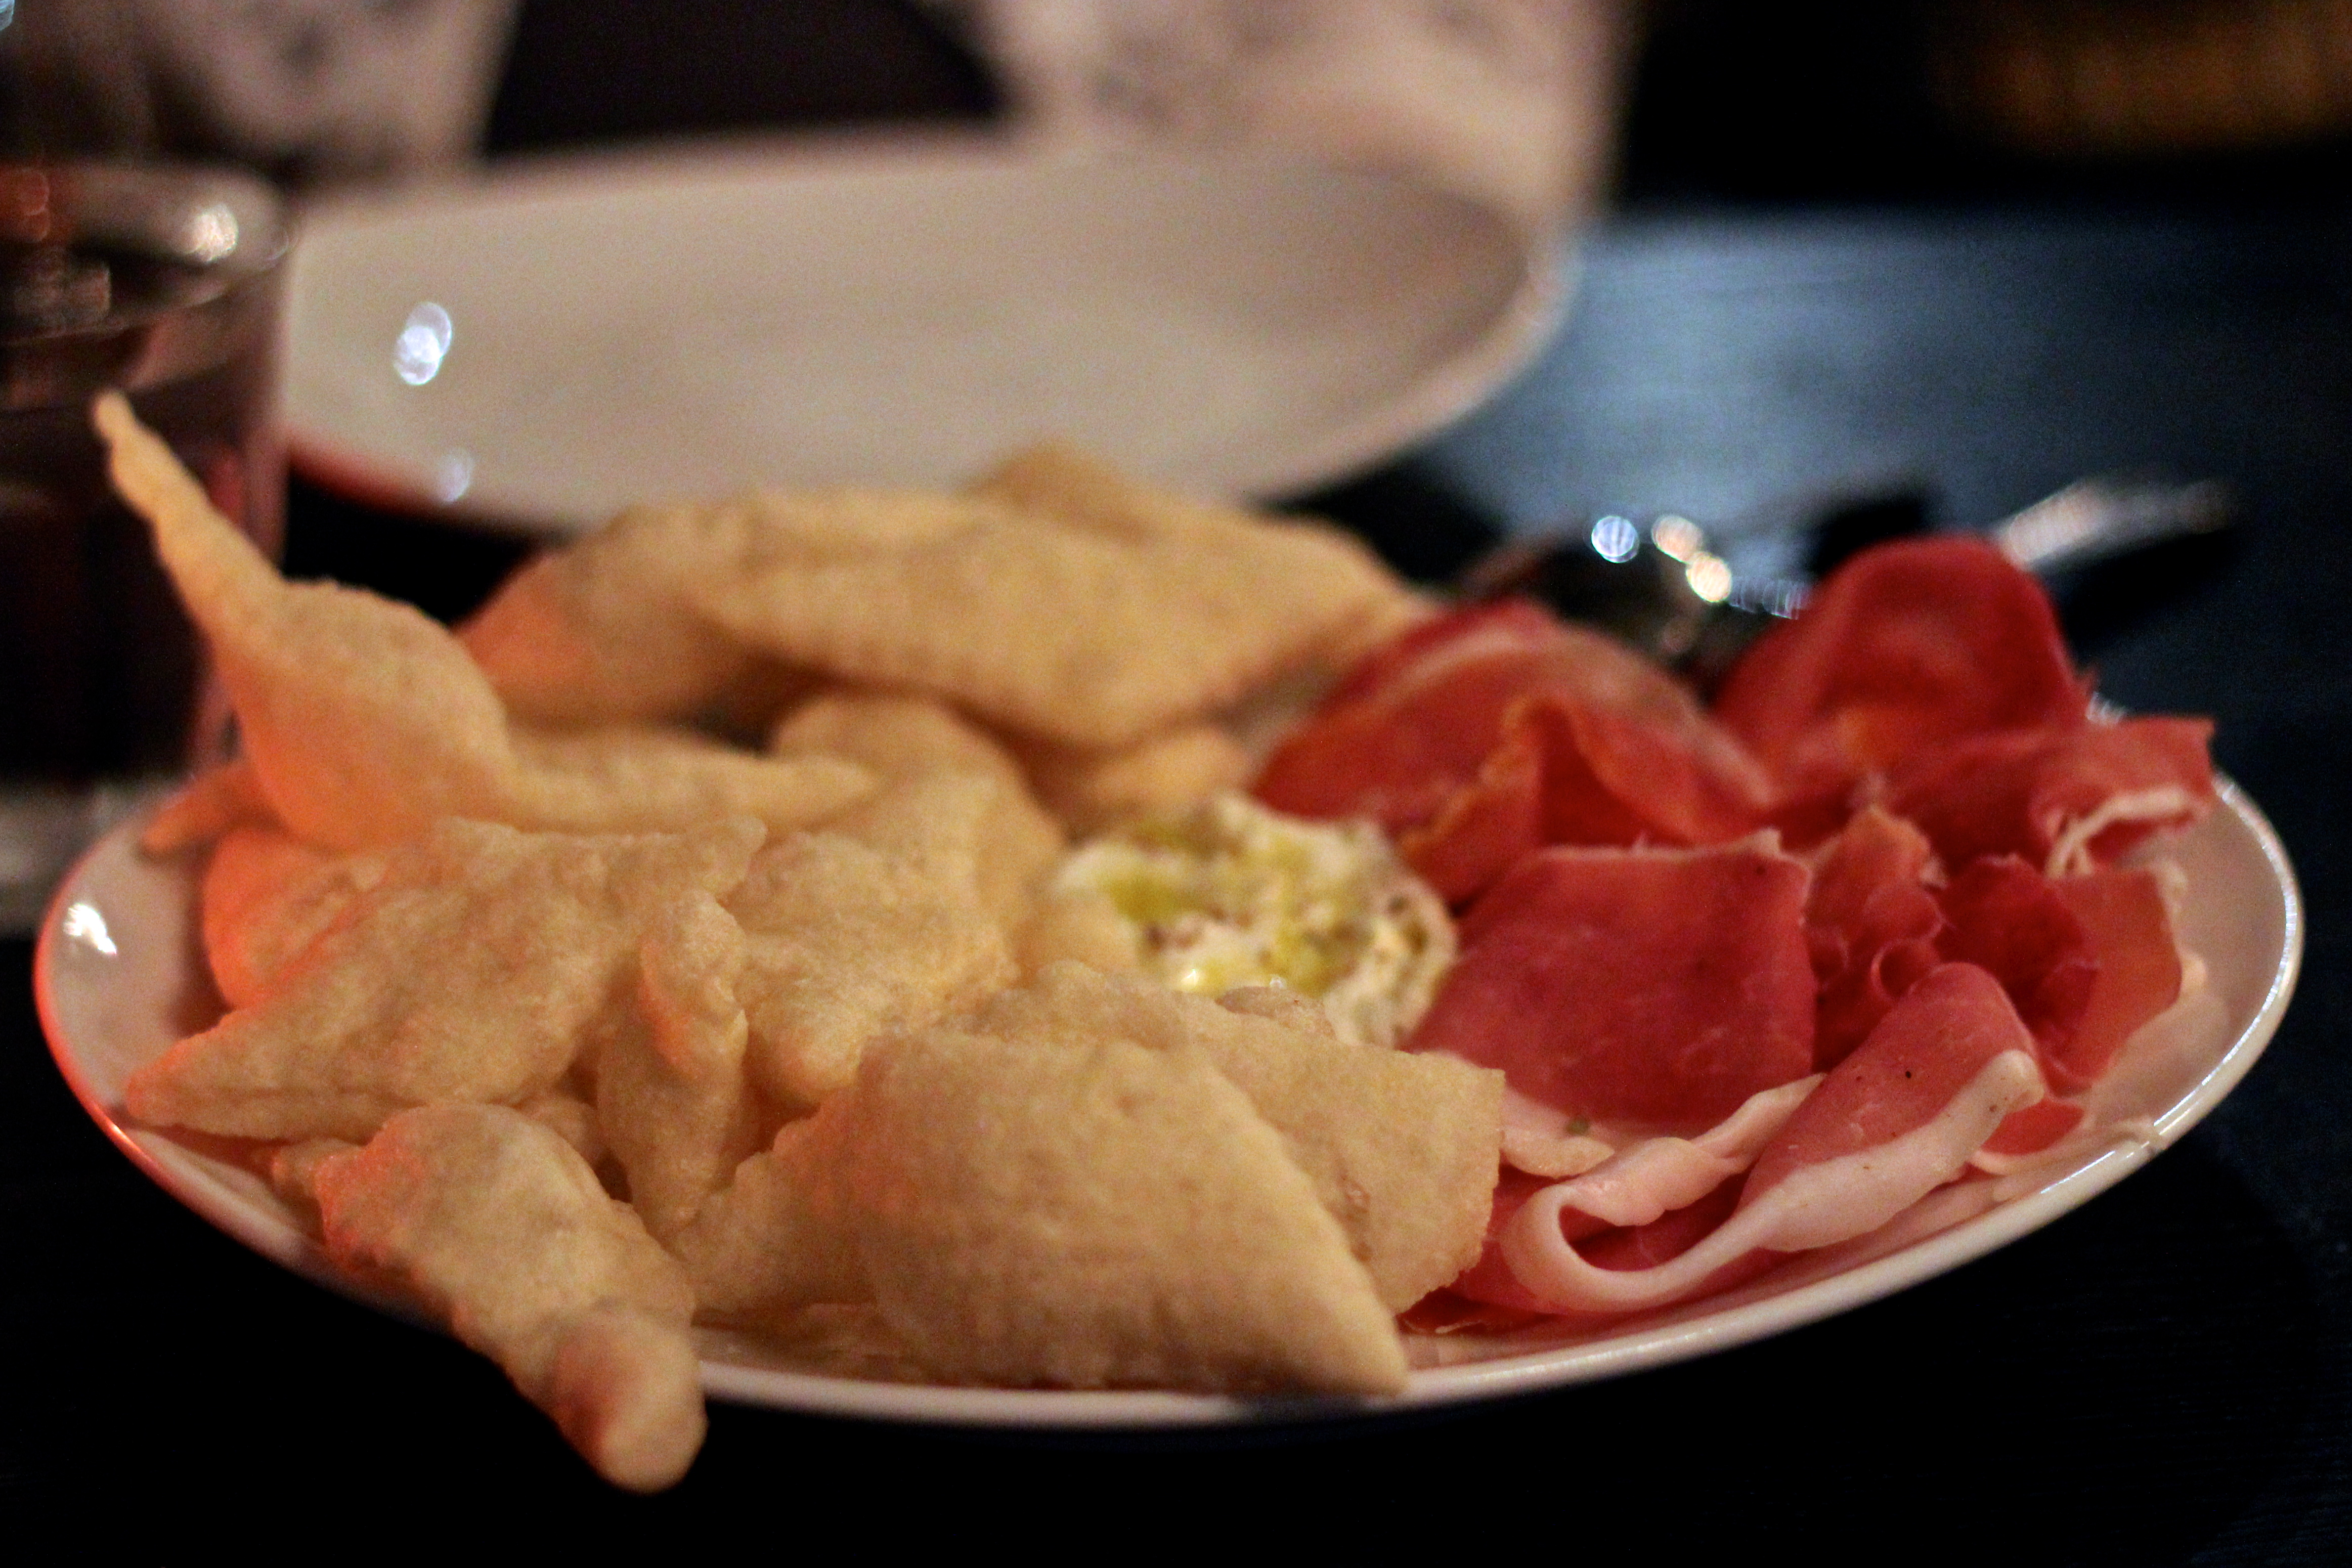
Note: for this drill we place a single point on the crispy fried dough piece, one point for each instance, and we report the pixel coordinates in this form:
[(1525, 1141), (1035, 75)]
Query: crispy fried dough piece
[(1089, 1213), (1092, 790), (1059, 480), (471, 971), (1403, 1149), (853, 936), (779, 1236), (898, 735), (644, 779), (1074, 637), (975, 825), (365, 721), (1078, 926), (915, 740), (493, 1223), (1070, 485), (670, 1093), (603, 630), (1058, 598), (207, 806), (1065, 1208), (266, 897)]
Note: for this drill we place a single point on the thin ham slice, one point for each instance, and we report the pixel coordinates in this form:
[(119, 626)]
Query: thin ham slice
[(2068, 800), (1906, 646), (1481, 736), (2129, 922), (2011, 921), (1644, 987), (1415, 721), (1871, 923), (1900, 1117), (1644, 1203)]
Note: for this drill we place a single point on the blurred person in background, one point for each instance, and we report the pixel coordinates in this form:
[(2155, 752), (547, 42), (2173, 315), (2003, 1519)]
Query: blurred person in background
[(305, 89), (1513, 100)]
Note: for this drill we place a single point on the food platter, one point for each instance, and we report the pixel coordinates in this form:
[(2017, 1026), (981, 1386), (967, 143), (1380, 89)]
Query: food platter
[(546, 344), (119, 976)]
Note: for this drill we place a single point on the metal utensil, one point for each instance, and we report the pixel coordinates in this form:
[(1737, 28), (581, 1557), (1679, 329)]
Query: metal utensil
[(1662, 588)]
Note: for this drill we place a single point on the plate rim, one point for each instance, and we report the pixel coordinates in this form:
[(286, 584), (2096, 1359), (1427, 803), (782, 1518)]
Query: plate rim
[(1507, 344), (1702, 1331)]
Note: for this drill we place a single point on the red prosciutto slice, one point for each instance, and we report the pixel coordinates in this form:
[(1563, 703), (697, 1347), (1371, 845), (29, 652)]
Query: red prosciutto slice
[(1635, 987), (1871, 923), (1953, 1045), (2068, 800), (2130, 927), (1652, 1199), (1415, 721), (1481, 736), (1900, 1117), (1906, 646), (2011, 921)]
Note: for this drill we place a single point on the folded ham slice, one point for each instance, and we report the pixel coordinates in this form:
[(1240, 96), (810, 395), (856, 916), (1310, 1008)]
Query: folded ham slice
[(1871, 922), (1906, 646), (1488, 733), (1898, 1119), (1656, 988), (2011, 921), (2067, 799)]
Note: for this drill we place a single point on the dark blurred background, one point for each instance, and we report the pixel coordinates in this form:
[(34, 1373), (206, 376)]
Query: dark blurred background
[(1868, 100)]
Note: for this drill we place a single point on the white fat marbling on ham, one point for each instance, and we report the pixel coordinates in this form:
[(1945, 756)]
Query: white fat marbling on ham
[(1542, 1141), (2071, 840), (2161, 1063), (1646, 1177), (1813, 1206)]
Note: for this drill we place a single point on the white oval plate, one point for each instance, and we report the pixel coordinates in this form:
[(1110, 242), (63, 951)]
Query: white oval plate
[(119, 976), (622, 328)]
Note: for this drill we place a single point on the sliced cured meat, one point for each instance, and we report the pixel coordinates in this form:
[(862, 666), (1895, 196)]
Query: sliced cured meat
[(2034, 1129), (1479, 736), (1485, 827), (2129, 923), (1471, 631), (1416, 720), (1900, 1117), (1650, 1199), (1489, 1282), (2011, 920), (2067, 800), (1871, 923), (1909, 645), (1945, 1033), (1650, 987), (1670, 1236)]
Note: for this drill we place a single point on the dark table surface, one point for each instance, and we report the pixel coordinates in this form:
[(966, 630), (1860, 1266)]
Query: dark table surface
[(2164, 1376)]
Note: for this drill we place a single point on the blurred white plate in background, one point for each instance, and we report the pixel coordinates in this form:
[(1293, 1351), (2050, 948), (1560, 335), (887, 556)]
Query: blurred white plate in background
[(549, 342)]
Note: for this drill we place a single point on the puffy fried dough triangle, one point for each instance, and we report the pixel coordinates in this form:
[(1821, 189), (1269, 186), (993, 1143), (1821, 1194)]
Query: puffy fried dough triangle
[(1403, 1149), (472, 971), (493, 1223), (356, 712), (671, 1094), (1078, 637), (267, 897), (1080, 1213), (603, 629), (366, 722), (1093, 1213), (879, 923)]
